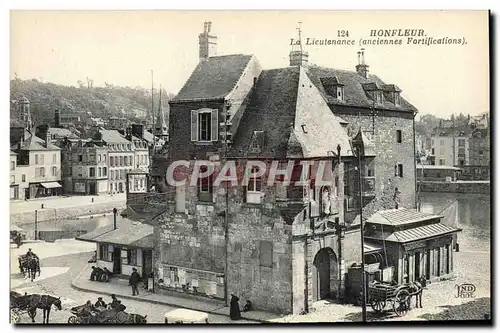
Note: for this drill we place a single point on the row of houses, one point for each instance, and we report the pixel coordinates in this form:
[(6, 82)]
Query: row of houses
[(282, 246), (54, 160)]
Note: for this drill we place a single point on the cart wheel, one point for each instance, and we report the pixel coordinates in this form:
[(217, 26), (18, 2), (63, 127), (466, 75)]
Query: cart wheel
[(14, 317), (378, 305), (72, 320), (400, 303)]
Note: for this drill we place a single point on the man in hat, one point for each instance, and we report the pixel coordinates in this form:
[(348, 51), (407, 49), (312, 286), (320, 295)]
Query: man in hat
[(234, 309), (114, 301), (135, 278), (100, 303)]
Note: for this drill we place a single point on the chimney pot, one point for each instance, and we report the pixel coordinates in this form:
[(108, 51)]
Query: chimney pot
[(207, 43)]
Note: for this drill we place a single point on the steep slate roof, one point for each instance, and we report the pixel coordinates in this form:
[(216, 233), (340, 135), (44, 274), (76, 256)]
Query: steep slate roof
[(271, 109), (295, 118), (33, 143), (396, 217), (113, 136), (214, 78), (354, 95)]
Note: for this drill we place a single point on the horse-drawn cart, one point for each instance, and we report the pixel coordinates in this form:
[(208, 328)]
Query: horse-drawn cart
[(84, 315), (379, 294)]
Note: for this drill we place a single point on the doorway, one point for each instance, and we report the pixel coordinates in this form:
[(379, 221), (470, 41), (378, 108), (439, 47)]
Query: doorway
[(324, 274), (147, 263), (117, 260), (92, 189)]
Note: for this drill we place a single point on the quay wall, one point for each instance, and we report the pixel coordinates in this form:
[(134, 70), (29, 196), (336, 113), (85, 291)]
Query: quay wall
[(482, 187)]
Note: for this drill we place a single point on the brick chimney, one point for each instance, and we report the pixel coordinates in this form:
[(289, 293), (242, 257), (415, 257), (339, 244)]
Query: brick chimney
[(57, 119), (207, 42), (361, 67), (47, 138)]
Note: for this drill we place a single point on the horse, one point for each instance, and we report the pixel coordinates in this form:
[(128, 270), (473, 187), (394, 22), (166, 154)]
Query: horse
[(112, 316), (21, 302), (29, 265), (43, 302), (416, 289)]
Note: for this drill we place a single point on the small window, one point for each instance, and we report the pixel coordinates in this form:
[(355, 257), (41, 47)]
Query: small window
[(481, 153), (23, 178), (204, 120), (36, 159), (54, 171), (54, 158), (132, 257), (42, 158), (399, 136), (441, 142), (104, 253), (12, 165), (42, 171), (80, 158), (92, 172), (432, 151), (105, 171), (400, 170), (99, 171)]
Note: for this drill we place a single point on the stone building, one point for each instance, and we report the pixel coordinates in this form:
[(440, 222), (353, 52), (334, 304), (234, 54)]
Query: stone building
[(450, 146), (89, 167), (479, 147), (282, 247)]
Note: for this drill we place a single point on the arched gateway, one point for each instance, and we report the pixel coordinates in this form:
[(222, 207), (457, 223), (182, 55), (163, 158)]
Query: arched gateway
[(325, 274)]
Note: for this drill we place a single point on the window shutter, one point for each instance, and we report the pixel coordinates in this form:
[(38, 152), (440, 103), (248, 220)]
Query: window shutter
[(194, 125), (215, 125)]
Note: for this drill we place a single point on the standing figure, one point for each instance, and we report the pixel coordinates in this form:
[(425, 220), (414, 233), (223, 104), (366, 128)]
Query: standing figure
[(234, 310), (135, 278)]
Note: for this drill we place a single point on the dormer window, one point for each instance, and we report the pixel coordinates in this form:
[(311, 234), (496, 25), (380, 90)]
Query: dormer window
[(257, 142), (333, 87), (378, 97), (397, 98)]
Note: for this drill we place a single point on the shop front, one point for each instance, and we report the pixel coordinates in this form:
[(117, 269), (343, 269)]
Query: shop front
[(122, 249)]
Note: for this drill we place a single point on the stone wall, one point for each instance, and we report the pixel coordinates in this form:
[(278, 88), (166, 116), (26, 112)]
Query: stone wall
[(48, 214), (388, 151), (456, 187)]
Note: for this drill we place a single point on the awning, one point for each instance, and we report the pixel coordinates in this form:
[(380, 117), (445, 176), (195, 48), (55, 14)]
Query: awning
[(127, 233), (420, 233), (51, 185), (370, 248)]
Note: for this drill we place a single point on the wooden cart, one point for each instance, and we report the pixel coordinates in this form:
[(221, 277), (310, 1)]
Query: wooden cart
[(380, 294)]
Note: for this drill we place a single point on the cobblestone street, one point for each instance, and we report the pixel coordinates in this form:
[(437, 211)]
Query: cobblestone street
[(59, 271), (440, 301)]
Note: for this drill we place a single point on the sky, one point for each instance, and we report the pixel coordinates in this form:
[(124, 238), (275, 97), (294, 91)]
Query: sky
[(122, 47)]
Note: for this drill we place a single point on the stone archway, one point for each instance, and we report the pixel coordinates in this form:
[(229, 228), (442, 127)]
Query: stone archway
[(325, 274)]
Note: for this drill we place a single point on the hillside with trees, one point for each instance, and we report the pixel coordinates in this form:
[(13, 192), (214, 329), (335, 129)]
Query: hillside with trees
[(85, 100)]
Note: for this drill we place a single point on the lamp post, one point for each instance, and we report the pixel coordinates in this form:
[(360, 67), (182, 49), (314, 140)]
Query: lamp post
[(115, 211), (359, 152)]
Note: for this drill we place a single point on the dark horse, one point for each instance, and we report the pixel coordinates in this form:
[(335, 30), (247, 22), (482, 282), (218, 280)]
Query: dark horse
[(29, 265), (43, 302), (416, 289), (21, 302)]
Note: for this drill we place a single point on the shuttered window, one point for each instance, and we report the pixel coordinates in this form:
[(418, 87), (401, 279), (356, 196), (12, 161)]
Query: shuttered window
[(204, 125)]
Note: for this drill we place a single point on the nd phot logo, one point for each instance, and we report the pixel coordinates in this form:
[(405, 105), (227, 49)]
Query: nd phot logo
[(465, 290)]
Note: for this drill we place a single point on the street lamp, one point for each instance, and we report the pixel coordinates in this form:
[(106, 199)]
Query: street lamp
[(358, 151)]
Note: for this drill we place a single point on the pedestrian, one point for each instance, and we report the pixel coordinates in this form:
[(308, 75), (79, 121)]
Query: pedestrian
[(114, 301), (234, 309), (135, 278), (96, 273), (100, 303), (248, 306)]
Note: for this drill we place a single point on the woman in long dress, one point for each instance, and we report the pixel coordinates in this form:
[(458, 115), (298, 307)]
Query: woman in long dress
[(234, 310)]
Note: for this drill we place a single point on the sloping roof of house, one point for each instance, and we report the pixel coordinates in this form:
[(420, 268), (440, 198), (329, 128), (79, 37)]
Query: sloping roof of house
[(423, 232), (281, 105), (62, 133), (271, 109), (32, 143), (214, 78), (354, 94), (113, 136), (127, 232), (400, 216)]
